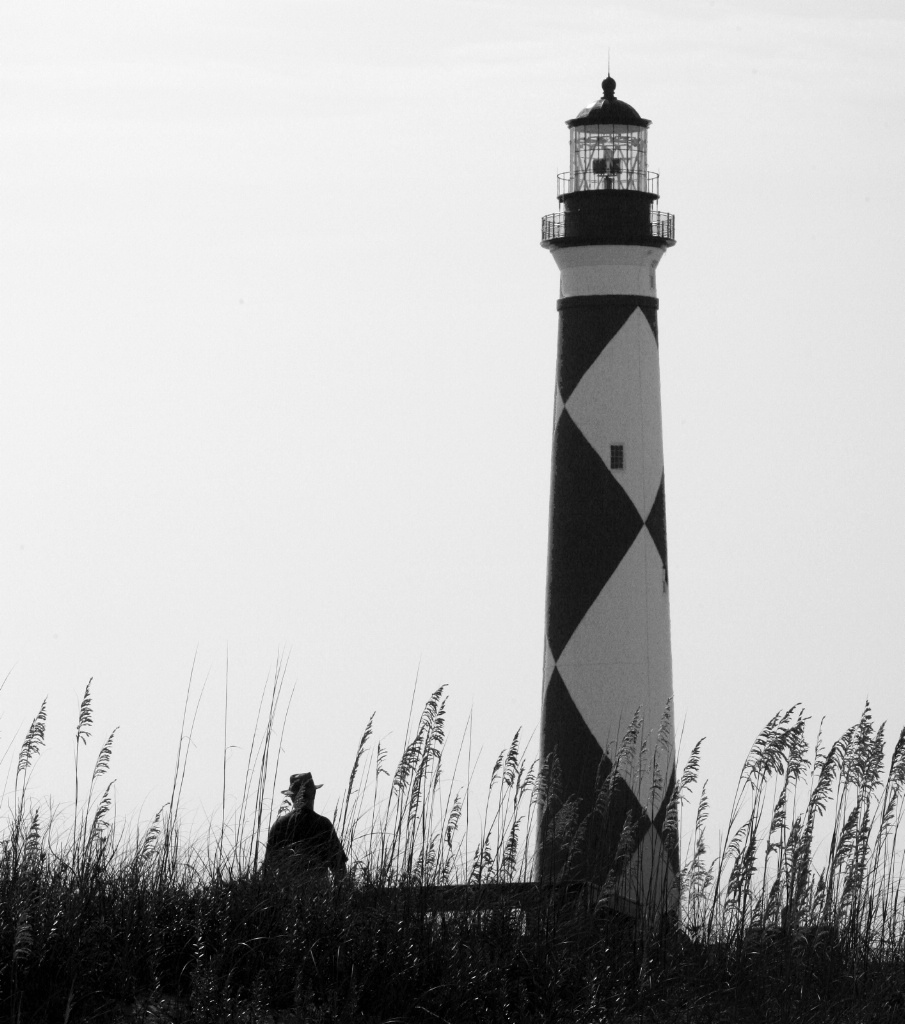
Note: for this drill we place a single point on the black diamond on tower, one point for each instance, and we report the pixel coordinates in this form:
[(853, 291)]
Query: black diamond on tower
[(593, 523), (656, 522), (584, 332)]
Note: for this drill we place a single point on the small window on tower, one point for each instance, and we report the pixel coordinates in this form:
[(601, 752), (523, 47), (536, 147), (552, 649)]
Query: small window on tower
[(617, 456)]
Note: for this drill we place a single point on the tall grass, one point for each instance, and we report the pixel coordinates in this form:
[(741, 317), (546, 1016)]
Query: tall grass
[(797, 915), (410, 826), (813, 841)]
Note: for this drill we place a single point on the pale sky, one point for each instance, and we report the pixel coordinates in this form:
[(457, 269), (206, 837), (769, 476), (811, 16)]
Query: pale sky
[(278, 346)]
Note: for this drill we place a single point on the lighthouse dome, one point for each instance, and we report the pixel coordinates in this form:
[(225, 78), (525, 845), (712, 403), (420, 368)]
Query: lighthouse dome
[(609, 110)]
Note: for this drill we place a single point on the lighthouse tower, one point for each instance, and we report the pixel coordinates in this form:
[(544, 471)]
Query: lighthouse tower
[(607, 652)]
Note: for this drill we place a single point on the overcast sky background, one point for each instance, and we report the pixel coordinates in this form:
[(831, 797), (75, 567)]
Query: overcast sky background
[(278, 345)]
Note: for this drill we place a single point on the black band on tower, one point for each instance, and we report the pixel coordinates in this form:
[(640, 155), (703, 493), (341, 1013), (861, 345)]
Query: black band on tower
[(579, 301)]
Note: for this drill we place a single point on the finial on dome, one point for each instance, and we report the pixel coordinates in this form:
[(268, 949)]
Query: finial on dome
[(609, 87)]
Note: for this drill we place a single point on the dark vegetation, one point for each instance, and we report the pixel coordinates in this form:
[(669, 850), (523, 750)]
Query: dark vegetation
[(797, 916)]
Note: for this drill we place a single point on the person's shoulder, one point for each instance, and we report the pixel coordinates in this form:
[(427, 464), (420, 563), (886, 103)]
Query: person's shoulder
[(284, 823), (319, 822)]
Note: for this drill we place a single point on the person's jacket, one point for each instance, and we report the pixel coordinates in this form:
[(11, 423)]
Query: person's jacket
[(307, 841)]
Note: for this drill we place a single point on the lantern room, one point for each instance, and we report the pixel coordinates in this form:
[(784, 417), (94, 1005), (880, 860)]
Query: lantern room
[(608, 146)]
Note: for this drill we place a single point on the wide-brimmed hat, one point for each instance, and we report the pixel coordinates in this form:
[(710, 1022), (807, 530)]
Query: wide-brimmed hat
[(298, 782)]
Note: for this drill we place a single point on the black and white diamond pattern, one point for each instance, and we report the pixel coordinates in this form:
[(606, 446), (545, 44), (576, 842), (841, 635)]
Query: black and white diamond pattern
[(593, 523), (608, 645)]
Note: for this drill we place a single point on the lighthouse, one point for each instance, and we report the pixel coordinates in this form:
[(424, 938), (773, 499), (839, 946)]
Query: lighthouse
[(607, 683)]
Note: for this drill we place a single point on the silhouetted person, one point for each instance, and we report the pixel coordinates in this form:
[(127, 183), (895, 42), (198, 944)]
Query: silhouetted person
[(302, 845)]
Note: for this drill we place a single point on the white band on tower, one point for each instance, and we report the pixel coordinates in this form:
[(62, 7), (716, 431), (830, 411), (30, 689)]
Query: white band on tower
[(608, 270)]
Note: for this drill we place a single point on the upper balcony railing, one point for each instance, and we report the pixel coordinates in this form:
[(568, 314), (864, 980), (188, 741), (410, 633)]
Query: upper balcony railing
[(591, 182), (662, 225)]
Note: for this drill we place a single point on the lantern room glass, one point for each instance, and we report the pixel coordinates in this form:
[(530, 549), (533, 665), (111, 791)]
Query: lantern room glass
[(608, 156)]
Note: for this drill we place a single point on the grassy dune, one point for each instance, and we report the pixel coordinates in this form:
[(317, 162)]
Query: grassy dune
[(796, 916)]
